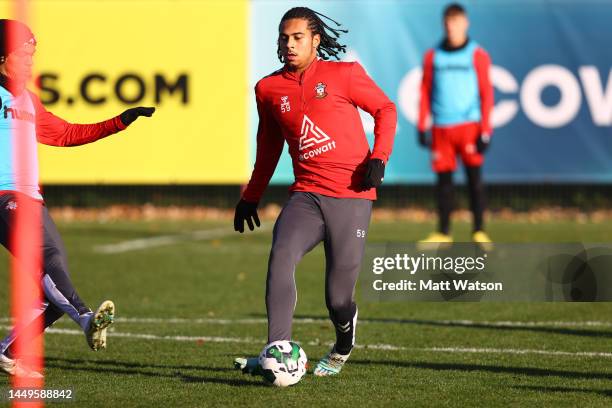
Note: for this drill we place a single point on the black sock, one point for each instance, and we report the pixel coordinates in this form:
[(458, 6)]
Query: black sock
[(344, 323), (477, 196), (445, 197)]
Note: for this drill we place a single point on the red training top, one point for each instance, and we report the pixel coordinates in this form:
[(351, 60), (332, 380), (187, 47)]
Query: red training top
[(54, 131), (316, 114)]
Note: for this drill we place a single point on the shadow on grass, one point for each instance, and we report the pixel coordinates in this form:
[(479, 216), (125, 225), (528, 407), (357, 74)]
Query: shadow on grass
[(130, 364), (526, 371), (151, 370), (605, 393), (470, 325)]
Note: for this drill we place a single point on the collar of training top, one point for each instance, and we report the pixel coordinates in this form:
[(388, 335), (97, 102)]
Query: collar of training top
[(310, 69), (447, 47)]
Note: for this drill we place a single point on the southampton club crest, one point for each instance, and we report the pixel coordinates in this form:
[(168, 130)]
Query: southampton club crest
[(320, 90)]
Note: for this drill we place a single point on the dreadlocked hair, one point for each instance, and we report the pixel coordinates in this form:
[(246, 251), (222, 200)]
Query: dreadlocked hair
[(329, 46)]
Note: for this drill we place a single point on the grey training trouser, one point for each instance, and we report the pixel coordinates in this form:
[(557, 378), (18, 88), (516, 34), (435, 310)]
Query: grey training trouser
[(306, 220), (60, 295)]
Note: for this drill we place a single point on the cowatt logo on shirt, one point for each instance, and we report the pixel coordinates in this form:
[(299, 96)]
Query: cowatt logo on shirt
[(313, 138)]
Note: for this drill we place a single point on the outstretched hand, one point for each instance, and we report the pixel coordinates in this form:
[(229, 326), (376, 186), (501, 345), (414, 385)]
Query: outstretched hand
[(132, 114)]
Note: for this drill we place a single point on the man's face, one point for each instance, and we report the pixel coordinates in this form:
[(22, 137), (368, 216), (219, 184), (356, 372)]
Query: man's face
[(18, 64), (297, 44), (456, 27)]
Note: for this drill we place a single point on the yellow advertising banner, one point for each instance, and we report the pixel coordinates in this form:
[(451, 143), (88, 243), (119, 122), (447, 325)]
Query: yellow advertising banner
[(187, 58)]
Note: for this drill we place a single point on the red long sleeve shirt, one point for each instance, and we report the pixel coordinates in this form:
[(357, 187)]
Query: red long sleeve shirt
[(54, 131), (316, 114)]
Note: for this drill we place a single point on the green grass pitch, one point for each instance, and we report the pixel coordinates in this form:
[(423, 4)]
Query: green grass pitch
[(191, 306)]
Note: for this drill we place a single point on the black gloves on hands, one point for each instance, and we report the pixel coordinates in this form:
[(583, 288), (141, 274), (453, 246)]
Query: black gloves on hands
[(483, 142), (245, 211), (423, 139), (374, 175), (132, 114)]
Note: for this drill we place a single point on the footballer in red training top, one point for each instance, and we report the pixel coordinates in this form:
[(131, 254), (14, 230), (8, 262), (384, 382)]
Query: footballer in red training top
[(311, 104), (457, 91)]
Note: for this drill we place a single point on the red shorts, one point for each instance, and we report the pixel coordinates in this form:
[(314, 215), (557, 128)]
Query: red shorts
[(448, 142)]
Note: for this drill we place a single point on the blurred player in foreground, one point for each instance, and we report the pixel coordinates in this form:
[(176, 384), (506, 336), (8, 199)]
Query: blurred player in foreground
[(18, 104), (311, 104), (457, 92)]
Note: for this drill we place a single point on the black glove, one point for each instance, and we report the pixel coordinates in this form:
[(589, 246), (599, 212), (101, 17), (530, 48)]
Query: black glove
[(483, 142), (374, 175), (132, 114), (423, 139), (245, 211)]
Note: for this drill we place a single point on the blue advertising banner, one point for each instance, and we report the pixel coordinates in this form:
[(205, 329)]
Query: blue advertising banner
[(551, 72)]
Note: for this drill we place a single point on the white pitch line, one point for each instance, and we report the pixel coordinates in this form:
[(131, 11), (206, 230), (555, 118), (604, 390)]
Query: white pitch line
[(212, 321), (164, 240), (145, 336), (511, 323), (249, 340), (223, 322), (520, 351), (486, 350), (467, 323)]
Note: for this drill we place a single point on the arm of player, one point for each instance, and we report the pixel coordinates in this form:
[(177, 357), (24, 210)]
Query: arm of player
[(425, 100), (482, 63), (269, 148), (54, 131), (364, 93)]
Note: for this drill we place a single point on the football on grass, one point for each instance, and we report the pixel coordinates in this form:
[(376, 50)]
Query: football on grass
[(283, 363)]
